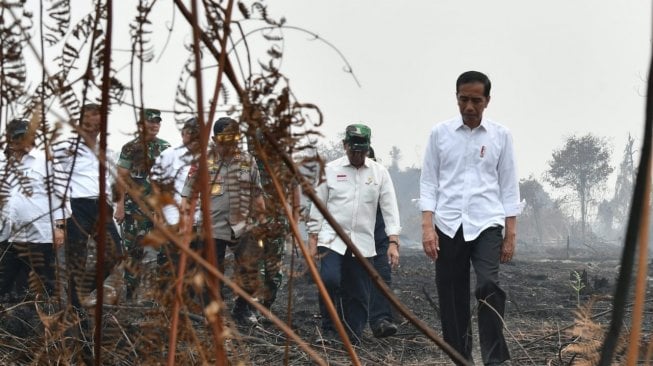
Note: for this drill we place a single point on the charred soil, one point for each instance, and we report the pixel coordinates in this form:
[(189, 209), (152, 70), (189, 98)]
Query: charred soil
[(543, 300)]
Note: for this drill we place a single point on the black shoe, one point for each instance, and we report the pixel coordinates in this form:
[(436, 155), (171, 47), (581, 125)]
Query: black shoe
[(355, 340), (265, 322), (245, 318), (243, 314), (504, 363), (383, 329)]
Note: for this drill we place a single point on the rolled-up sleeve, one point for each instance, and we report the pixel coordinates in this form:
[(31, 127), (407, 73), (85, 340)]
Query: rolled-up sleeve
[(60, 200), (162, 167), (428, 182), (508, 181), (126, 158), (315, 220), (189, 185), (389, 207)]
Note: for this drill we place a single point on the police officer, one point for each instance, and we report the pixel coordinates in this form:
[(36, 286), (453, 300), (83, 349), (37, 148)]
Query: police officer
[(235, 195)]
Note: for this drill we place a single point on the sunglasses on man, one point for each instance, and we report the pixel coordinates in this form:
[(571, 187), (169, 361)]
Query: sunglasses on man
[(227, 137)]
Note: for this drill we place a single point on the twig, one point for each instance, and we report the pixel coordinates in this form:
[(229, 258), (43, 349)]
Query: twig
[(430, 301), (505, 326), (133, 347)]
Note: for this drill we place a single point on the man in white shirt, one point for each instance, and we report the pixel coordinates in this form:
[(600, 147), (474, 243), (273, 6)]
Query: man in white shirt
[(37, 209), (170, 169), (353, 188), (78, 157), (169, 173), (470, 191)]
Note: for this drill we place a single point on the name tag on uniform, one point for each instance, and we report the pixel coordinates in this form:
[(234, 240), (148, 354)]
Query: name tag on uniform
[(216, 187), (341, 177)]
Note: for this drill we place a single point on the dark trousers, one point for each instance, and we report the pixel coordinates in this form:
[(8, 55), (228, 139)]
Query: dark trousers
[(82, 226), (18, 260), (270, 268), (379, 305), (348, 286), (452, 277), (246, 256)]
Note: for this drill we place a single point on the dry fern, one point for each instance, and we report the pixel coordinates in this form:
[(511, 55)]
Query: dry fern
[(588, 336)]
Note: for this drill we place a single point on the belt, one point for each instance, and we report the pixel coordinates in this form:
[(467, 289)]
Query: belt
[(85, 199)]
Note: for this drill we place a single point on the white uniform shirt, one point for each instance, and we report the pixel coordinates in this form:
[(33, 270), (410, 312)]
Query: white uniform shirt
[(30, 203), (469, 177), (5, 195), (82, 166), (172, 165), (352, 196)]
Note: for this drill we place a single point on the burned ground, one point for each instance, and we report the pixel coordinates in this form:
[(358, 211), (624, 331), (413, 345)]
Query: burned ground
[(543, 297)]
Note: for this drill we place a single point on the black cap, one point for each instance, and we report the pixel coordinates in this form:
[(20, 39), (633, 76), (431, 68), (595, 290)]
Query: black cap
[(91, 107), (17, 128), (225, 123), (191, 124)]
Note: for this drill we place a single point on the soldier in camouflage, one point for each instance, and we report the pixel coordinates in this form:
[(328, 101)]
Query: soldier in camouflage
[(136, 160), (277, 225)]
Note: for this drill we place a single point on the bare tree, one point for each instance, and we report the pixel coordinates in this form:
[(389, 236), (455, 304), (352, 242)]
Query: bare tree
[(625, 182), (330, 150), (612, 213), (536, 199), (395, 157), (582, 165)]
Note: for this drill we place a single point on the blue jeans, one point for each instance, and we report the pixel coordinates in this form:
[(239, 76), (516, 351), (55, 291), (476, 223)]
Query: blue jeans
[(348, 286)]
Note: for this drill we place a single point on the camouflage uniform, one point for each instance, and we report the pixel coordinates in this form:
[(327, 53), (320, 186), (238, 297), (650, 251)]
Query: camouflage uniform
[(276, 231), (136, 225)]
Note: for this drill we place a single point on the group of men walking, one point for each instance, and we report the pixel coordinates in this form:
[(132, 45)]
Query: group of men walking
[(53, 200), (469, 200)]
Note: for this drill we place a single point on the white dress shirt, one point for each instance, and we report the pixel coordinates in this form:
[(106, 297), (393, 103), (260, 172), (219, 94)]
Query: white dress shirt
[(172, 166), (82, 166), (469, 177), (31, 203), (352, 196), (5, 195)]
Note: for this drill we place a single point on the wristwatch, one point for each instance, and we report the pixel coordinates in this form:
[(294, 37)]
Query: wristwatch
[(394, 242)]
